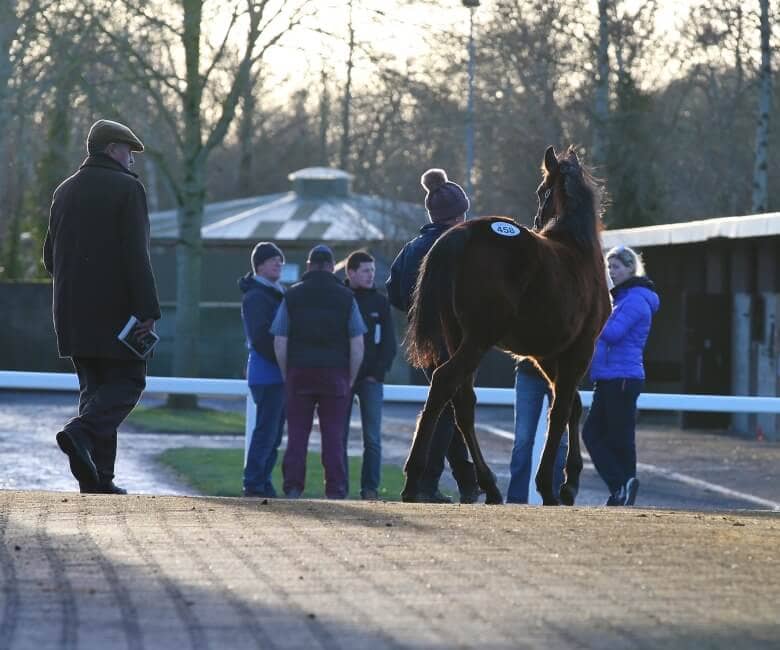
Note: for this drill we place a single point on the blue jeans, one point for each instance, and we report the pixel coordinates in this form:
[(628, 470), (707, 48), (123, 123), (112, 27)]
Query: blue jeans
[(266, 438), (530, 391), (609, 432), (371, 395)]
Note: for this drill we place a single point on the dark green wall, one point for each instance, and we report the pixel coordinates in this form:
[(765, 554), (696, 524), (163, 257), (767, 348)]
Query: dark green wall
[(27, 340), (226, 261)]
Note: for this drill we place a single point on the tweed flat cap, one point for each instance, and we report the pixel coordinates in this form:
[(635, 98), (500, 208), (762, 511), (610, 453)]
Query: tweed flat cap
[(103, 132)]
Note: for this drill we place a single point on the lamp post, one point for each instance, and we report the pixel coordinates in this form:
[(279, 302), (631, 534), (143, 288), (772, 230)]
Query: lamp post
[(471, 5)]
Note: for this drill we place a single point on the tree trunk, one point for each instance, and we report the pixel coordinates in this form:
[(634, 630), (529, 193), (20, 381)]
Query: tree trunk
[(52, 164), (347, 102), (9, 23), (189, 255), (760, 190), (189, 247), (601, 100), (152, 184), (246, 133), (13, 200), (324, 119)]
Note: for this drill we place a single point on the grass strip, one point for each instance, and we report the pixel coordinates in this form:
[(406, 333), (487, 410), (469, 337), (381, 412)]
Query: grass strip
[(160, 419), (218, 472)]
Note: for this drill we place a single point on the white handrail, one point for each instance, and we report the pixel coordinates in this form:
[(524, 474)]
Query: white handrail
[(11, 379)]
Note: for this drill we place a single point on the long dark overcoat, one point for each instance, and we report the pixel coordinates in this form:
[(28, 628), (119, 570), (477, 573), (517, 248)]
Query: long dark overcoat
[(97, 251)]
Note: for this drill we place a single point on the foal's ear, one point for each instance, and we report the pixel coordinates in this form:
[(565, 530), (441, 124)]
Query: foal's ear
[(550, 160)]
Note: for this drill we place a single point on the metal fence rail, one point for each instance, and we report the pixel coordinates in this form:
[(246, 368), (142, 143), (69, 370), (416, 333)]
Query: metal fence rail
[(397, 393), (392, 393)]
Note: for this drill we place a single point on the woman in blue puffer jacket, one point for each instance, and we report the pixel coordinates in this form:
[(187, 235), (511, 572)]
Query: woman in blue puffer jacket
[(617, 370)]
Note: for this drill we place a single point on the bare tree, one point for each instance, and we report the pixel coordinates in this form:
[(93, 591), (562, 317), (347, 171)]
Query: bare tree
[(196, 97), (720, 47), (760, 185), (246, 139), (37, 117), (9, 24), (346, 106), (601, 94), (324, 117)]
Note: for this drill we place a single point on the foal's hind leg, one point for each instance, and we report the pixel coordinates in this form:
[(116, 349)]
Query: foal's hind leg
[(444, 382), (571, 486), (465, 401), (565, 386)]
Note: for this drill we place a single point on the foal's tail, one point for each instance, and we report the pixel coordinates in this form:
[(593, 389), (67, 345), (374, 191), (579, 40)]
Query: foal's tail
[(432, 319)]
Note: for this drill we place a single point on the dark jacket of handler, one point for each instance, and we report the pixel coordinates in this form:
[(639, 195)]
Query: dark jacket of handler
[(97, 251), (447, 205), (406, 266)]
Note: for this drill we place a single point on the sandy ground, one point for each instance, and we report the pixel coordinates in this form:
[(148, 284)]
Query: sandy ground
[(181, 572)]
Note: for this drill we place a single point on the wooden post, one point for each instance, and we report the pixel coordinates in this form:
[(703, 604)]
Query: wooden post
[(740, 355), (740, 331), (766, 348)]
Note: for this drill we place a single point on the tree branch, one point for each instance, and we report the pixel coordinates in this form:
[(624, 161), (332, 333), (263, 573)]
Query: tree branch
[(131, 52), (221, 51), (136, 7)]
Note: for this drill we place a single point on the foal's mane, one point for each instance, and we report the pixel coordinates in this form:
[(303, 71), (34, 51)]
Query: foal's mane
[(581, 201)]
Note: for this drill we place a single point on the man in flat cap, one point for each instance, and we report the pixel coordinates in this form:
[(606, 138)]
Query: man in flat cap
[(318, 341), (97, 252)]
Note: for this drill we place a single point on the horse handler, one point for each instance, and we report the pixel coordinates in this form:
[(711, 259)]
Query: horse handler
[(447, 204), (97, 252), (618, 372)]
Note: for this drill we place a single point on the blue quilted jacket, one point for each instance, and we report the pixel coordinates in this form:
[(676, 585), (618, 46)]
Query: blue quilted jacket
[(621, 343)]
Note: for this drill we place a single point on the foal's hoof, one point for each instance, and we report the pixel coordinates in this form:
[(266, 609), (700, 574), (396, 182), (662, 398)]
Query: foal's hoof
[(493, 497), (568, 494), (549, 501)]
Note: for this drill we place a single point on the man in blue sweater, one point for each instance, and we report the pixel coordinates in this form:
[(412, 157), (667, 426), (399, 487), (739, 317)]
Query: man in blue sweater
[(262, 296)]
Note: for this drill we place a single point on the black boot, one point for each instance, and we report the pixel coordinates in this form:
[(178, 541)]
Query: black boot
[(466, 477), (470, 494), (104, 486), (82, 466), (429, 491)]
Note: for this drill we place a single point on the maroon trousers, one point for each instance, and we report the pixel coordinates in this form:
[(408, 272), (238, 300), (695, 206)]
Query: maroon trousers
[(328, 390)]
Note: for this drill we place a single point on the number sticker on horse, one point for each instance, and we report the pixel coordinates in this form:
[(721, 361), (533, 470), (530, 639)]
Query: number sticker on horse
[(505, 229)]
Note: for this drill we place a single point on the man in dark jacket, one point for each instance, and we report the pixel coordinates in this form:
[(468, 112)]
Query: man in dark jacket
[(447, 204), (262, 296), (97, 252), (379, 350), (318, 342)]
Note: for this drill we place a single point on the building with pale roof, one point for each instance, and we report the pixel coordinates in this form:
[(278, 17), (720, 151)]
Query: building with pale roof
[(320, 207)]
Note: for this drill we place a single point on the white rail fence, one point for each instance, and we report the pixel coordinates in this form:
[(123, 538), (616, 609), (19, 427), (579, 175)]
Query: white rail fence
[(393, 393)]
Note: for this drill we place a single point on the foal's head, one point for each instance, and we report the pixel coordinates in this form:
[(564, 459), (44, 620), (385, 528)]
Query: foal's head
[(569, 197)]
